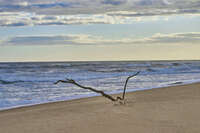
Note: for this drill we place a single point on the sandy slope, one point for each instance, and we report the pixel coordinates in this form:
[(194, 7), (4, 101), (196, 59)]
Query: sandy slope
[(164, 110)]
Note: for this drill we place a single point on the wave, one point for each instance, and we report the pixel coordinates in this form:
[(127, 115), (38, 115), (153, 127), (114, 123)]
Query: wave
[(176, 83), (109, 70), (20, 81), (10, 82)]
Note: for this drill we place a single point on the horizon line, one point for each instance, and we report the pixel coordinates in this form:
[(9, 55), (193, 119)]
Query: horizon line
[(98, 61)]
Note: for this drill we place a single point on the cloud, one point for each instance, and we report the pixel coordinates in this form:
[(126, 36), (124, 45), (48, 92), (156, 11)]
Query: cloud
[(8, 19), (70, 7), (114, 2), (84, 39), (25, 5), (28, 19), (152, 2), (155, 12), (69, 39), (167, 2), (65, 12), (175, 38), (31, 19), (41, 40)]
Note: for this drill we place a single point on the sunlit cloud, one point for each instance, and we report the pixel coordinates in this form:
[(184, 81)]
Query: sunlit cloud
[(176, 38), (85, 39), (122, 17)]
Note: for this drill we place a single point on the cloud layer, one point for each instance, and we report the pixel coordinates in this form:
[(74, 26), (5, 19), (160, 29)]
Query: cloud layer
[(84, 39), (8, 19), (65, 12), (31, 19), (92, 6)]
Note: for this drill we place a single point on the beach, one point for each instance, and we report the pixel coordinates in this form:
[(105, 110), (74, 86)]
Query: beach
[(24, 84), (161, 110)]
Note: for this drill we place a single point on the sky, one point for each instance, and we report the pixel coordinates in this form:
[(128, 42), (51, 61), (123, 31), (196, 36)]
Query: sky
[(99, 30)]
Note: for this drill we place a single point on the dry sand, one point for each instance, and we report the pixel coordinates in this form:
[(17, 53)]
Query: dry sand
[(163, 110)]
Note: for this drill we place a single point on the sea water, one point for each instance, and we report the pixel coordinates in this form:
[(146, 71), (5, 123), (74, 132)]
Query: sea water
[(23, 84)]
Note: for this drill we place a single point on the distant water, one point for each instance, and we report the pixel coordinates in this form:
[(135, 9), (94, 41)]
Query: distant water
[(23, 84)]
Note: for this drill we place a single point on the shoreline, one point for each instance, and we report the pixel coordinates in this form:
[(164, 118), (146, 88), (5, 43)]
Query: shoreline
[(97, 95), (169, 109), (116, 93)]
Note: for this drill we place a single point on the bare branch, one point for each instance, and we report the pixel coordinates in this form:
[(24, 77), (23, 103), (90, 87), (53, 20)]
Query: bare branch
[(123, 96), (71, 81)]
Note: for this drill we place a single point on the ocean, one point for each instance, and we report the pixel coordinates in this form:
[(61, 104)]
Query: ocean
[(23, 84)]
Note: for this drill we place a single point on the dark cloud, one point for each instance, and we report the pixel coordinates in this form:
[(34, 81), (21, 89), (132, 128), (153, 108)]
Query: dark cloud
[(144, 3), (34, 7), (16, 24), (41, 40), (114, 2), (151, 3)]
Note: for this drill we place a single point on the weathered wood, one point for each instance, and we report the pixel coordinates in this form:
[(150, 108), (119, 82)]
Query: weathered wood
[(123, 96), (71, 81)]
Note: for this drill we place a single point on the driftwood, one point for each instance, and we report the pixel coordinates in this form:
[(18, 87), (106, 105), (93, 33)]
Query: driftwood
[(71, 81), (123, 96)]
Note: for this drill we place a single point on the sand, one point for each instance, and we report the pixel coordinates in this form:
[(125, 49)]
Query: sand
[(164, 110)]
